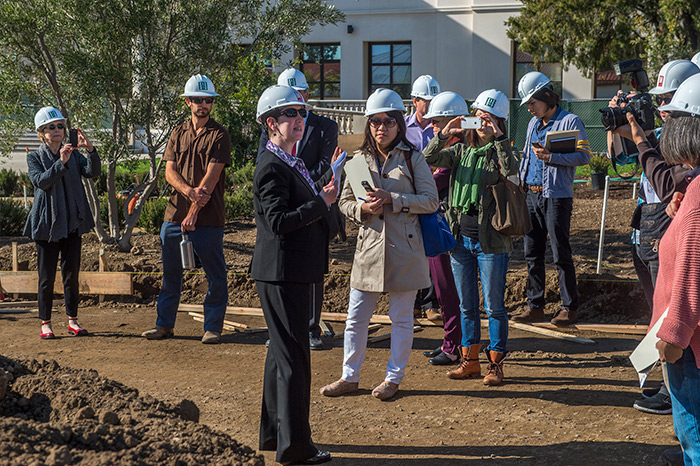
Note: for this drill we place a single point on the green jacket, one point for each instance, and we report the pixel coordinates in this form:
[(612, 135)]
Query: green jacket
[(500, 158)]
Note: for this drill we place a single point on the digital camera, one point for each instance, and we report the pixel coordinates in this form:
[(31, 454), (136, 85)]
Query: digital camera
[(640, 104)]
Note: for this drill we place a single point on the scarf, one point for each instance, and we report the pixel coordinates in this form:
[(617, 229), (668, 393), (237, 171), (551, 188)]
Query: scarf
[(467, 185)]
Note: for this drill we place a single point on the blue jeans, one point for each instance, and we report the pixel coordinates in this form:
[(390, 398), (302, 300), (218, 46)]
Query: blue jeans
[(468, 263), (208, 244), (683, 383)]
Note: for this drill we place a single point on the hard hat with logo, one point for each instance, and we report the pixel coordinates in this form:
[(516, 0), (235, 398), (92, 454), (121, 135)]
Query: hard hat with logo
[(447, 103), (199, 86), (425, 87), (383, 100), (696, 59), (530, 84), (494, 102), (275, 97), (672, 74), (687, 97), (47, 115), (292, 77)]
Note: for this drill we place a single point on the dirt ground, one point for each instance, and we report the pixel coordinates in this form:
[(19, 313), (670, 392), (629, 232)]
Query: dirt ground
[(562, 403)]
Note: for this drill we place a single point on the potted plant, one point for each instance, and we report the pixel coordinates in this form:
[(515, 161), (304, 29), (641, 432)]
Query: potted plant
[(599, 165)]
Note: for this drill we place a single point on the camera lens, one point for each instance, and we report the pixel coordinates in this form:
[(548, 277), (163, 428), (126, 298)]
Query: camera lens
[(612, 118)]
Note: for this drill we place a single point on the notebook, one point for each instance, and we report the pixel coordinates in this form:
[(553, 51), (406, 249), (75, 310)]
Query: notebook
[(561, 142)]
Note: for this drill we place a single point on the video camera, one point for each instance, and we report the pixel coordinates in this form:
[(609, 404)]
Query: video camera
[(640, 104)]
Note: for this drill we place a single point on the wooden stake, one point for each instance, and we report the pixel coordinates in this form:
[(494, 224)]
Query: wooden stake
[(227, 322), (550, 333), (327, 331), (15, 264), (101, 268), (226, 326), (604, 328)]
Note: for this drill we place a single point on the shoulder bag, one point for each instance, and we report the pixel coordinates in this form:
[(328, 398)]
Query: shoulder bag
[(512, 217)]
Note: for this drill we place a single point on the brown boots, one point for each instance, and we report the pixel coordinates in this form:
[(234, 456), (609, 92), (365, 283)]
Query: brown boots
[(469, 365), (495, 373)]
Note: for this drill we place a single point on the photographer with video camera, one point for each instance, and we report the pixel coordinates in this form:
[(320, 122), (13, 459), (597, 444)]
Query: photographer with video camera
[(658, 182)]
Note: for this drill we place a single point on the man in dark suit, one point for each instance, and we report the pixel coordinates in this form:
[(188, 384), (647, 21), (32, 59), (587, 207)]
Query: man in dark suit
[(315, 149), (291, 254)]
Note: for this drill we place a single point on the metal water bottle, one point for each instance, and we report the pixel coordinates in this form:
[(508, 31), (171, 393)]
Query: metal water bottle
[(186, 252)]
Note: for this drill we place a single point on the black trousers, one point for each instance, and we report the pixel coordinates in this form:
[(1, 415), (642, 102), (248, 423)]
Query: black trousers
[(47, 259), (646, 272), (284, 421), (316, 305), (550, 216)]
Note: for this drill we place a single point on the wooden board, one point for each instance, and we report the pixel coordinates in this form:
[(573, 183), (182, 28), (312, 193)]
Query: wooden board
[(550, 333), (226, 326), (236, 325), (110, 283), (604, 328)]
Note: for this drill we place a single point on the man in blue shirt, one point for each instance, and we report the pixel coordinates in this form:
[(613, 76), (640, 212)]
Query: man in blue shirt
[(419, 131)]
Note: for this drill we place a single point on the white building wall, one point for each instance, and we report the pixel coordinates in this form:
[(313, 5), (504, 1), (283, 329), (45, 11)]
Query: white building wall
[(461, 43)]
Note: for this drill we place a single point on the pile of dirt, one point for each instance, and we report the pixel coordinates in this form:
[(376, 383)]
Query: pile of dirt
[(51, 415)]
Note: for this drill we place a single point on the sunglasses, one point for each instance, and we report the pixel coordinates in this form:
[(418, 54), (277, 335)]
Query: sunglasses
[(293, 112), (387, 122), (53, 127), (661, 100), (437, 121), (199, 100)]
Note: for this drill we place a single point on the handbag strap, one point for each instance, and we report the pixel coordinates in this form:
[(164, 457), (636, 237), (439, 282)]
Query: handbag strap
[(409, 162)]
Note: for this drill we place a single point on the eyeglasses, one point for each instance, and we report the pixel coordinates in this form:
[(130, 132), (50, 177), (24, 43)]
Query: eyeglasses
[(53, 127), (293, 112), (663, 99), (199, 100), (387, 122)]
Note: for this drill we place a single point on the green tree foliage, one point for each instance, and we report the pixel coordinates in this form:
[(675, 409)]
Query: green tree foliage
[(121, 65), (595, 34)]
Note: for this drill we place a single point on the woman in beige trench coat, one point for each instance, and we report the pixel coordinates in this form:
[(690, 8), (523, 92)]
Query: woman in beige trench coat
[(390, 257)]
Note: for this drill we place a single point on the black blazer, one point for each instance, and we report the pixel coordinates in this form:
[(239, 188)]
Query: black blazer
[(317, 146), (292, 236)]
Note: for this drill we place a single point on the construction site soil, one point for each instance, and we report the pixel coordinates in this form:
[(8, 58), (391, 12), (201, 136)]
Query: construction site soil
[(562, 403)]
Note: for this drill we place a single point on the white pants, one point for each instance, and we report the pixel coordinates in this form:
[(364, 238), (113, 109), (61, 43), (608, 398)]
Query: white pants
[(360, 309)]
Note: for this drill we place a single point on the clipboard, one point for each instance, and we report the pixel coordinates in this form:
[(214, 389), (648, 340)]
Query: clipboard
[(357, 171), (561, 142)]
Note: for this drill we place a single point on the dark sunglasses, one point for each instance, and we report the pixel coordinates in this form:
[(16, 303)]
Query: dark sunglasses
[(199, 100), (53, 127), (662, 100), (387, 122), (293, 112)]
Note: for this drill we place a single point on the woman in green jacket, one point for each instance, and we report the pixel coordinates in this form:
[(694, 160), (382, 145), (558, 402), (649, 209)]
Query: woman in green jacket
[(481, 251)]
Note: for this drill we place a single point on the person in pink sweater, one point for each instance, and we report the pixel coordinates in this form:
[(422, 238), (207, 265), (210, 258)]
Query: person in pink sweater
[(678, 284)]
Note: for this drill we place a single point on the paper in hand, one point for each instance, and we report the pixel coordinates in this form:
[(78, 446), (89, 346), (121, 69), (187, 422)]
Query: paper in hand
[(645, 356), (337, 167)]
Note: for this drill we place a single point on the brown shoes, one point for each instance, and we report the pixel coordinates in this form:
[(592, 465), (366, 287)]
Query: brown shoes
[(385, 390), (469, 365), (495, 373), (531, 314), (158, 333), (339, 387), (564, 317)]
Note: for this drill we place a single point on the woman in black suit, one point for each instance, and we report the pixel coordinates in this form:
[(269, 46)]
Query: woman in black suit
[(291, 253)]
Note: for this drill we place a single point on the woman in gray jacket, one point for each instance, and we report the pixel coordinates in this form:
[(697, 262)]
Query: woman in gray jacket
[(390, 256), (60, 213)]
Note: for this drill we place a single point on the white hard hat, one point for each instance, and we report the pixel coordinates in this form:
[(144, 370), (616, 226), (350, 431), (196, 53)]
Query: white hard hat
[(530, 84), (687, 97), (696, 59), (47, 115), (383, 100), (672, 74), (277, 97), (425, 87), (447, 103), (494, 102), (292, 77), (199, 86)]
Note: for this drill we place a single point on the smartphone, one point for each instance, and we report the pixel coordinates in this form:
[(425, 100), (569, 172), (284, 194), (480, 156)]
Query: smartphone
[(368, 187), (538, 144), (471, 123), (73, 137)]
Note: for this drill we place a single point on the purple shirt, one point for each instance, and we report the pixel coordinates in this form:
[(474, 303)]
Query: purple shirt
[(419, 137), (292, 161)]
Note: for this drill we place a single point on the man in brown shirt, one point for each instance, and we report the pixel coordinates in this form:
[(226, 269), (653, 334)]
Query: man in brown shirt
[(196, 155)]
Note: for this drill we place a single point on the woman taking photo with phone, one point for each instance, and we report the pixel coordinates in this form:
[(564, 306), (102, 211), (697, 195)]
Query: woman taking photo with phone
[(60, 213), (390, 257), (481, 251)]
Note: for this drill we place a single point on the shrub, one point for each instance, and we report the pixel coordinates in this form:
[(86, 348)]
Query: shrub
[(12, 217), (9, 180), (599, 163), (152, 214), (238, 201)]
